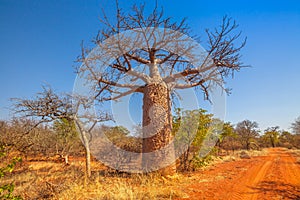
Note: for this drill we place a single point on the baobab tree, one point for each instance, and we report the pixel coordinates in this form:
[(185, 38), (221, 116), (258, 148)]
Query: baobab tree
[(154, 56)]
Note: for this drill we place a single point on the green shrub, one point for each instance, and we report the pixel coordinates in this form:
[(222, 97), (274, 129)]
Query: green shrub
[(6, 190), (199, 162)]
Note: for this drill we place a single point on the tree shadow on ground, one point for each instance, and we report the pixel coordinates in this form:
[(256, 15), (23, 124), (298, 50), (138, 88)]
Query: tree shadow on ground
[(279, 189)]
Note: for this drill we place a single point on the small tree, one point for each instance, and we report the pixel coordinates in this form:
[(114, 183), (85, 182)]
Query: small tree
[(49, 106), (67, 138), (296, 126), (247, 132), (191, 128), (227, 136), (272, 135)]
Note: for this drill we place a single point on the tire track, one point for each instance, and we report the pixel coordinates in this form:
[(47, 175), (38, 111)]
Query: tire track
[(274, 176), (244, 187)]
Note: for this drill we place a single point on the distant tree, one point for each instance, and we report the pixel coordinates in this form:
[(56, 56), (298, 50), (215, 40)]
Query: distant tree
[(116, 132), (227, 137), (272, 135), (19, 135), (118, 135), (232, 143), (67, 138), (286, 139), (285, 136), (15, 136), (121, 137), (296, 126), (296, 141), (156, 72), (247, 132), (3, 133), (227, 130)]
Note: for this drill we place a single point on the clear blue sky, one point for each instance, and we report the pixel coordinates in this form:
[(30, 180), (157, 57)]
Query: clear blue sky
[(40, 41)]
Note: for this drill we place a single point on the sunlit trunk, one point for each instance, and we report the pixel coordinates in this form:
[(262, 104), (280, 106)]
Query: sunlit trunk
[(157, 127), (86, 144), (87, 155)]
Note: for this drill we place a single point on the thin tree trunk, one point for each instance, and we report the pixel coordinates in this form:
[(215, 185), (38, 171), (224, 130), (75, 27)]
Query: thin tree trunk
[(87, 149), (186, 159), (157, 130), (67, 159), (273, 143), (87, 156), (248, 146)]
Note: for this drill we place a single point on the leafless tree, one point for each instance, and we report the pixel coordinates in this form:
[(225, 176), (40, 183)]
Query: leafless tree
[(17, 135), (48, 106), (247, 132), (296, 126), (155, 58)]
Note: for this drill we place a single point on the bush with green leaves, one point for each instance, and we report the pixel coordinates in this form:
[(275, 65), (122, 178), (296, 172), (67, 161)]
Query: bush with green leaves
[(190, 128), (6, 190)]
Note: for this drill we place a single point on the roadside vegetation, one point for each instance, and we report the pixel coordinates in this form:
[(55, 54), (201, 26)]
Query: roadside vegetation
[(48, 161)]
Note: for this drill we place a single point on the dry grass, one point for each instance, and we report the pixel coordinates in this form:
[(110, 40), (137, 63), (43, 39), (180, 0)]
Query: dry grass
[(134, 187), (50, 180), (296, 152), (233, 156), (262, 152)]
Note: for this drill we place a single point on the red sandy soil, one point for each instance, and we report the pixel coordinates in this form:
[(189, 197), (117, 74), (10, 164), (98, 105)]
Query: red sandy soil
[(273, 176)]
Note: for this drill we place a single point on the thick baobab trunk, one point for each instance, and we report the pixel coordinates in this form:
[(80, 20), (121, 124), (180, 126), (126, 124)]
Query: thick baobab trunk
[(157, 130)]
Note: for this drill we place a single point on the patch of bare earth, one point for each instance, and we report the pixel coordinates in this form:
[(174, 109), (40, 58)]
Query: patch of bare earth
[(275, 175)]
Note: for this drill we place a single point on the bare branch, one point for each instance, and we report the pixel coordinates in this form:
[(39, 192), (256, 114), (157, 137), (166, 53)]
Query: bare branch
[(138, 59), (223, 55), (123, 94), (185, 86), (112, 83)]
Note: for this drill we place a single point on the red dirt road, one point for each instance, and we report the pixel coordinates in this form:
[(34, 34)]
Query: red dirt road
[(274, 176)]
